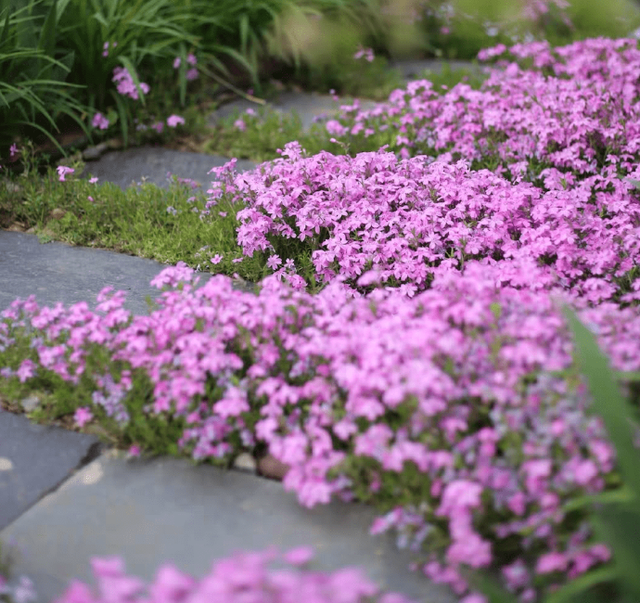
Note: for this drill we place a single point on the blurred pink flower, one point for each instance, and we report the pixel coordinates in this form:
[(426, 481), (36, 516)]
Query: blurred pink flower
[(82, 415), (175, 120), (63, 171)]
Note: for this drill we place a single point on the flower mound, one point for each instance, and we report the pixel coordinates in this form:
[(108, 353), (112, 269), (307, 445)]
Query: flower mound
[(468, 387), (238, 579), (411, 220), (575, 112)]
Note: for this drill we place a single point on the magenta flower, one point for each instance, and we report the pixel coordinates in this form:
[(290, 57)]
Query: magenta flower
[(100, 121), (216, 259), (26, 370), (176, 62), (82, 415), (175, 120), (13, 150), (274, 261), (134, 451), (192, 74), (300, 555), (63, 171), (125, 84)]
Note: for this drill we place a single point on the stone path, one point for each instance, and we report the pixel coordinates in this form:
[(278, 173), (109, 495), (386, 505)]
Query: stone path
[(65, 497)]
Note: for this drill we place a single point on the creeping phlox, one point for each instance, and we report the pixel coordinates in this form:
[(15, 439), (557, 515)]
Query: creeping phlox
[(237, 579), (432, 375), (467, 388), (562, 114), (410, 220)]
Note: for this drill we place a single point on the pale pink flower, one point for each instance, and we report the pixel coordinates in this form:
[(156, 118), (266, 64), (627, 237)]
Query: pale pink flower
[(175, 120), (100, 121), (82, 415), (63, 171), (300, 555)]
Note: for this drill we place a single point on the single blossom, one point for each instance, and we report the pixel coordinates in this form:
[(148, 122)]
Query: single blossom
[(82, 415), (175, 120), (100, 121), (63, 171)]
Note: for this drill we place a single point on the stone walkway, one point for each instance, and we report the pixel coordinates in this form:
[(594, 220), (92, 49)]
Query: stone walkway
[(65, 497)]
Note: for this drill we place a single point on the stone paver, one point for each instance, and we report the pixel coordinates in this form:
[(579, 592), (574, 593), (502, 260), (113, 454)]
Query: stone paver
[(166, 510), (57, 272), (125, 167), (34, 459), (307, 105), (412, 69)]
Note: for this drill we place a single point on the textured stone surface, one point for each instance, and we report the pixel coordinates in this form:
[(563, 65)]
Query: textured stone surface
[(57, 272), (166, 510), (126, 167), (307, 105), (411, 69), (34, 459)]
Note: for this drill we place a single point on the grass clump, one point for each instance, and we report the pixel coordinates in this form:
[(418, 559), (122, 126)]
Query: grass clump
[(167, 225)]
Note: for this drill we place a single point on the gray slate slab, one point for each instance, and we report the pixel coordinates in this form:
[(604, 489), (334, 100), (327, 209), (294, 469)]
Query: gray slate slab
[(57, 272), (129, 166), (307, 105), (411, 69), (35, 459), (166, 510)]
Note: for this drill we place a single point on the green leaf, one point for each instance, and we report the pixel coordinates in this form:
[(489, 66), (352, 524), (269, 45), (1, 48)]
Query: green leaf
[(128, 65), (608, 402), (620, 495), (122, 111), (619, 527), (570, 591)]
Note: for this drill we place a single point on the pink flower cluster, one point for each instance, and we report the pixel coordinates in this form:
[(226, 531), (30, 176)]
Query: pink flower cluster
[(410, 220), (463, 384), (573, 115), (434, 365), (242, 578), (126, 85)]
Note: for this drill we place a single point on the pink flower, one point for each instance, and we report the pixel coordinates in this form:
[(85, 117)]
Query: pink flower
[(240, 125), (13, 150), (93, 180), (274, 261), (26, 370), (551, 562), (300, 555), (192, 74), (176, 62), (191, 59), (82, 415), (367, 53), (174, 120), (125, 84), (134, 451), (63, 171), (216, 259), (158, 127), (100, 121)]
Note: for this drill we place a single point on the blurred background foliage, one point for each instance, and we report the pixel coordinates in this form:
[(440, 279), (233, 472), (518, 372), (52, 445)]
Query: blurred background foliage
[(57, 57)]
